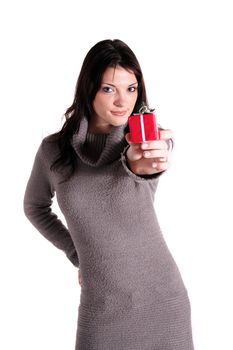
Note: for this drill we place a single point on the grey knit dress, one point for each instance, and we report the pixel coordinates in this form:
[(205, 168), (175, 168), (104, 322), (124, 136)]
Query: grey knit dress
[(133, 297)]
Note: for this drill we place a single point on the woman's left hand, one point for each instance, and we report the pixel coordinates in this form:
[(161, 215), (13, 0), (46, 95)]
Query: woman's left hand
[(149, 157)]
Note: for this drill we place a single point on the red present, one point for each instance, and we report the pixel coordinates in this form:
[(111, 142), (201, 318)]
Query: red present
[(143, 127)]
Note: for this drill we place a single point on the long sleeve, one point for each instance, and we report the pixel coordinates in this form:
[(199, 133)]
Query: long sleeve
[(37, 207)]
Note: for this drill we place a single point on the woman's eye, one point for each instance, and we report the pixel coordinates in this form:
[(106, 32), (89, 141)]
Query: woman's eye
[(132, 88), (107, 89)]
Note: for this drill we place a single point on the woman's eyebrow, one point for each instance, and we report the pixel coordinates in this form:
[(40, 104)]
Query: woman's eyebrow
[(115, 86)]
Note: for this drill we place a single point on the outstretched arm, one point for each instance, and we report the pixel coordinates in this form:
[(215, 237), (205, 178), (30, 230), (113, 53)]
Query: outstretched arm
[(151, 157)]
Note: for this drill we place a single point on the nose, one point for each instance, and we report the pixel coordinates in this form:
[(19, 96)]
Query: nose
[(120, 99)]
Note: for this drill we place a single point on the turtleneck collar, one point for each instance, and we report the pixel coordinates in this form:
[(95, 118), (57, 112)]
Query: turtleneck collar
[(98, 149)]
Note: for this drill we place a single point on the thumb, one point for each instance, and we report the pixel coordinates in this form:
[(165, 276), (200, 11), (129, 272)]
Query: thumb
[(134, 152), (128, 139)]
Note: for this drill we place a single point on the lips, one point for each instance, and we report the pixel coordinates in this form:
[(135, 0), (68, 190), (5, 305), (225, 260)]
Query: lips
[(119, 113)]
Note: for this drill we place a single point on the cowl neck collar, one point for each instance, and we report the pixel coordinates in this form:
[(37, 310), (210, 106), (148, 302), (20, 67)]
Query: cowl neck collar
[(112, 144)]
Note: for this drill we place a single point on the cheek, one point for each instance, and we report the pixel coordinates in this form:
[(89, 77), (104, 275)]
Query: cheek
[(98, 103), (102, 102), (102, 106), (134, 100)]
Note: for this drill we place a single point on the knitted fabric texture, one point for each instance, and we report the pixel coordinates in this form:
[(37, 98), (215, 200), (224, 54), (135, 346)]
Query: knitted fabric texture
[(133, 296)]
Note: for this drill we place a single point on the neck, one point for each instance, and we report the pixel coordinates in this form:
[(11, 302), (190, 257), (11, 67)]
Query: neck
[(98, 128)]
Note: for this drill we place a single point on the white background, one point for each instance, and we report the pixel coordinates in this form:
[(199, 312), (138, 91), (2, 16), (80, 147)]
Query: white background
[(185, 51)]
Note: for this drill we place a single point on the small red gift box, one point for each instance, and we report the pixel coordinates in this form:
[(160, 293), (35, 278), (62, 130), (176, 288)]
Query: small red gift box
[(143, 127)]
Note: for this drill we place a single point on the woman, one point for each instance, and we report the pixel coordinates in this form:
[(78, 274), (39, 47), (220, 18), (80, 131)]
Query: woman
[(132, 294)]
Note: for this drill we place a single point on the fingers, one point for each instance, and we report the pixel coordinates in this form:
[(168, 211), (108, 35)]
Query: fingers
[(157, 144), (161, 153), (149, 149), (134, 153), (149, 157), (149, 166)]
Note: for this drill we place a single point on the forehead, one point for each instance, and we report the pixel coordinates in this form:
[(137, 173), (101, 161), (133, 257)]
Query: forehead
[(118, 75)]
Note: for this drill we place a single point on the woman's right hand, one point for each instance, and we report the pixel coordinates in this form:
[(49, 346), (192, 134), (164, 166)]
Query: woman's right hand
[(80, 278)]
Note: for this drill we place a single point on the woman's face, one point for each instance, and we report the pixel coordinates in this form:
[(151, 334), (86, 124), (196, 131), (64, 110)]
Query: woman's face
[(115, 100)]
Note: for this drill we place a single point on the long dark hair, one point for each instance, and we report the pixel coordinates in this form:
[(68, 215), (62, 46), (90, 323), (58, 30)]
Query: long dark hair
[(104, 54)]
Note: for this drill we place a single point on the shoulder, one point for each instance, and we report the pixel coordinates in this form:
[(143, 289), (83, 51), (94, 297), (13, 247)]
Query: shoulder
[(49, 148)]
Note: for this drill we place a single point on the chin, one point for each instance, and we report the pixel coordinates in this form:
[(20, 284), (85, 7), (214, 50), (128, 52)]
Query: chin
[(120, 121)]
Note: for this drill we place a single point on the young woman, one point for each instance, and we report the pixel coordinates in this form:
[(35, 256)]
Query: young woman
[(132, 294)]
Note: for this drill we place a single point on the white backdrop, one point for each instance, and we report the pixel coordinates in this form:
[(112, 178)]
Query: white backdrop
[(185, 50)]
